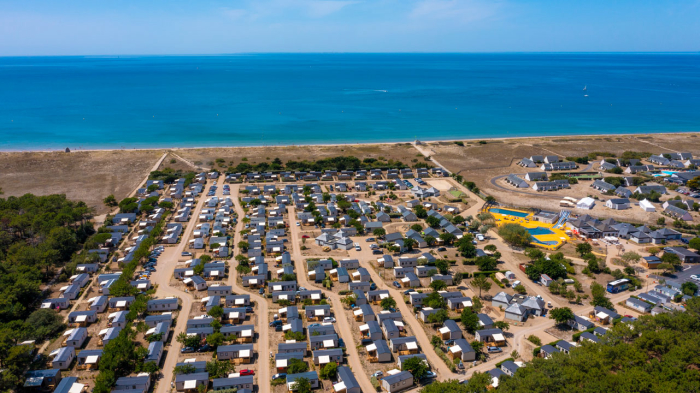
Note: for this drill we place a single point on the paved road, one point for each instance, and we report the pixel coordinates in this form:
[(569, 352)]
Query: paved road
[(342, 326), (262, 312), (166, 266)]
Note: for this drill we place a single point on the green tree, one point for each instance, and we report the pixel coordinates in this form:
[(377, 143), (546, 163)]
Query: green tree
[(216, 312), (561, 315), (329, 371), (447, 238), (387, 303), (438, 285), (219, 369), (694, 243), (436, 341), (416, 366), (302, 385), (503, 325), (482, 283), (671, 258), (689, 288), (184, 369), (379, 232), (438, 317), (296, 366), (215, 339), (432, 221), (470, 320), (417, 227), (515, 235), (442, 266), (630, 257), (583, 249), (43, 324), (486, 263), (520, 289), (409, 243), (110, 201)]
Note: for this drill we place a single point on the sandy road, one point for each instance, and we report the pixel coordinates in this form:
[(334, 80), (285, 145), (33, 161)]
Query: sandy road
[(262, 313), (168, 262), (341, 325)]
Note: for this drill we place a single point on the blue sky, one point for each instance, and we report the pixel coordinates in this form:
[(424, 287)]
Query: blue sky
[(94, 27)]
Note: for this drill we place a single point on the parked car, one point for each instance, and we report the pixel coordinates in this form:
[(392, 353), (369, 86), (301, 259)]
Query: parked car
[(186, 254), (369, 239), (261, 291), (187, 350), (449, 342), (430, 374), (204, 348), (276, 323), (329, 319), (313, 325), (245, 372), (494, 349), (396, 284), (378, 374), (279, 376), (695, 277), (377, 252), (442, 249), (372, 286)]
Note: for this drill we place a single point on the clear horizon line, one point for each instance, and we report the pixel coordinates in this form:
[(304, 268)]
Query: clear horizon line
[(359, 53)]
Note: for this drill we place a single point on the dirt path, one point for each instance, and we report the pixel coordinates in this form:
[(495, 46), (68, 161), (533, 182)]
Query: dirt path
[(429, 153), (168, 262), (344, 329), (262, 312), (188, 162)]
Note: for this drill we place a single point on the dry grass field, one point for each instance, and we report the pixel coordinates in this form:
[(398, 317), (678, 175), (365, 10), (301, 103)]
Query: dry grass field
[(88, 176), (404, 152)]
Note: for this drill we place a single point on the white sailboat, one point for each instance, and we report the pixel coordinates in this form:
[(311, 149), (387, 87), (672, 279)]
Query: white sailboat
[(584, 89)]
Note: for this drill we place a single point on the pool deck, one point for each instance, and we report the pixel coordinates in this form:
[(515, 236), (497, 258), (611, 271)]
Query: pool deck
[(550, 241)]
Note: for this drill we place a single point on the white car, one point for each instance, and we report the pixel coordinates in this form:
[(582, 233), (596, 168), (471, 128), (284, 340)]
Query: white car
[(298, 224), (329, 319), (695, 277)]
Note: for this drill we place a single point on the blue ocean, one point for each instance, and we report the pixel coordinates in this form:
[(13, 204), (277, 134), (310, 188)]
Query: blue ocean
[(280, 99)]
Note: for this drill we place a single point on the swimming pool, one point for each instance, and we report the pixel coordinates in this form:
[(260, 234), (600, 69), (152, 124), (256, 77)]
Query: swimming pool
[(669, 172), (539, 231), (507, 212)]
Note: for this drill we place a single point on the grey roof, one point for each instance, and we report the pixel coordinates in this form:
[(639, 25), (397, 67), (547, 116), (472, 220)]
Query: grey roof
[(348, 378)]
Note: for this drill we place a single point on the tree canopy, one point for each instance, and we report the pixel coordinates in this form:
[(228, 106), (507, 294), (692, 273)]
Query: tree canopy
[(659, 354), (515, 235)]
